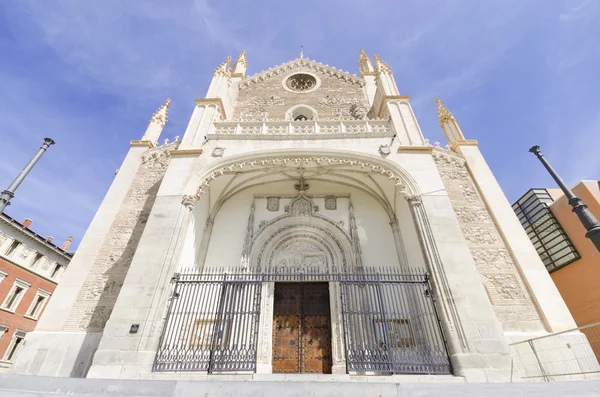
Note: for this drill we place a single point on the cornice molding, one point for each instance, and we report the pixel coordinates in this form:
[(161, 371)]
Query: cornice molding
[(186, 152), (415, 148), (465, 142), (148, 144)]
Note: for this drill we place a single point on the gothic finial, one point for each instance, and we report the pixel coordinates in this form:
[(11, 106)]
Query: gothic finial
[(224, 69), (161, 114), (381, 65), (301, 51), (444, 114), (364, 63), (241, 59)]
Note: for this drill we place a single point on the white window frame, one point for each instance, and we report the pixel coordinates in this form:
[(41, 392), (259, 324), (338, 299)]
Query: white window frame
[(33, 262), (3, 330), (18, 283), (3, 275), (58, 268), (15, 251), (40, 293), (19, 333)]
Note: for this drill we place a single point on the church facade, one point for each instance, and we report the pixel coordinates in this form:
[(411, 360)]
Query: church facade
[(303, 224)]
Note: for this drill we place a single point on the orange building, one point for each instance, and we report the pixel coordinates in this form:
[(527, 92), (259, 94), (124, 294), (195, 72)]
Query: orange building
[(30, 267), (559, 237)]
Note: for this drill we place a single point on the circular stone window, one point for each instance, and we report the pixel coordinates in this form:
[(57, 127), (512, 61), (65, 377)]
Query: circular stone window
[(301, 82)]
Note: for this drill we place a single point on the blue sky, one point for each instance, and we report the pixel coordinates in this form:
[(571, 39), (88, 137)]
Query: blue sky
[(90, 74)]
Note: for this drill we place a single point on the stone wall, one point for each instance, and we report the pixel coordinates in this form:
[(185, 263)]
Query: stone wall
[(508, 295), (102, 285), (336, 97)]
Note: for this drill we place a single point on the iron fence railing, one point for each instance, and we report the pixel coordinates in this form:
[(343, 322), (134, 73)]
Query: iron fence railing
[(390, 321), (571, 354)]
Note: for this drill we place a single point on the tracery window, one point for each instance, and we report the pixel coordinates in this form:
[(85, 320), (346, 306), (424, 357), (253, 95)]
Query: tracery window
[(300, 118), (301, 82)]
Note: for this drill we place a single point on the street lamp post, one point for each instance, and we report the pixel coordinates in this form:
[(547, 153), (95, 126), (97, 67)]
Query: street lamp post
[(588, 220), (9, 193)]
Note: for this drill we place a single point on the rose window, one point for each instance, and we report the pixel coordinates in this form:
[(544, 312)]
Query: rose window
[(301, 82)]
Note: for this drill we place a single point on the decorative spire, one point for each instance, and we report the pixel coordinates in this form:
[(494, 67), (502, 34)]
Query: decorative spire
[(160, 116), (241, 59), (444, 115), (224, 69), (364, 63), (381, 65), (448, 124), (301, 51)]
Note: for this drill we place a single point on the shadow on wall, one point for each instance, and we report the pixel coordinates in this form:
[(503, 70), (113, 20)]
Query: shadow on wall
[(119, 258)]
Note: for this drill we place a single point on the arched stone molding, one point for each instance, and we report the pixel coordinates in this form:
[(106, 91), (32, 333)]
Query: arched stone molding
[(301, 110), (330, 237), (198, 183)]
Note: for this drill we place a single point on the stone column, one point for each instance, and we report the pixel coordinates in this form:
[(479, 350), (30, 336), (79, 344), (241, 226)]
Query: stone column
[(477, 346)]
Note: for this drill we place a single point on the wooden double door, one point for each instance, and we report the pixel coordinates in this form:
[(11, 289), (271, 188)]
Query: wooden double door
[(301, 328)]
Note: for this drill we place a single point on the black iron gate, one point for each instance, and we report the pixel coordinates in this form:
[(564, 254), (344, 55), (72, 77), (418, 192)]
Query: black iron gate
[(212, 324), (390, 322), (391, 325)]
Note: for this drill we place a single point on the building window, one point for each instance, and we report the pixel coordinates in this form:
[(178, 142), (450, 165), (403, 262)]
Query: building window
[(55, 271), (36, 259), (549, 239), (13, 247), (16, 342), (3, 275), (301, 82), (15, 295), (38, 304), (301, 113)]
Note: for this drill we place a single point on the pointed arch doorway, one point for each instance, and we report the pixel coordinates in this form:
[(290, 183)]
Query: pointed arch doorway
[(301, 319)]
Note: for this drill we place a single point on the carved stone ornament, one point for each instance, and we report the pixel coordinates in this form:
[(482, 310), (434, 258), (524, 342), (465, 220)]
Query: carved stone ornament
[(190, 200), (331, 203), (301, 82), (25, 252), (218, 151), (273, 203), (384, 150), (328, 100), (157, 159), (306, 63), (359, 112)]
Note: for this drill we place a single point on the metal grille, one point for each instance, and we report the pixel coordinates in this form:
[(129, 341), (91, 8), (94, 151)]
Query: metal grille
[(212, 324), (391, 325), (390, 322)]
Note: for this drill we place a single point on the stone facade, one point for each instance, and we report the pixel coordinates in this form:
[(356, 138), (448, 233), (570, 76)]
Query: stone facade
[(503, 283), (339, 96), (301, 166), (103, 283)]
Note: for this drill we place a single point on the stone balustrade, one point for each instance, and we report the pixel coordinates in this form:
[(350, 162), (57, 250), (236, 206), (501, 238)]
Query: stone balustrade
[(301, 129)]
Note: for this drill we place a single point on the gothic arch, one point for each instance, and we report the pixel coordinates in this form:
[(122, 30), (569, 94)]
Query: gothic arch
[(318, 231), (201, 179), (306, 111)]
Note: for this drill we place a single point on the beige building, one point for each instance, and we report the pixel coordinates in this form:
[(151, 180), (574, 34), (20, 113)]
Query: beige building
[(303, 224)]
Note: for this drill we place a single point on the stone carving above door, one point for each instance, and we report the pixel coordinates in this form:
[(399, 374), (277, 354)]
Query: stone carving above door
[(299, 255)]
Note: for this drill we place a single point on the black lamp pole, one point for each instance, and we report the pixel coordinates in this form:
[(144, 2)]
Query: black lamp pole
[(590, 223)]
